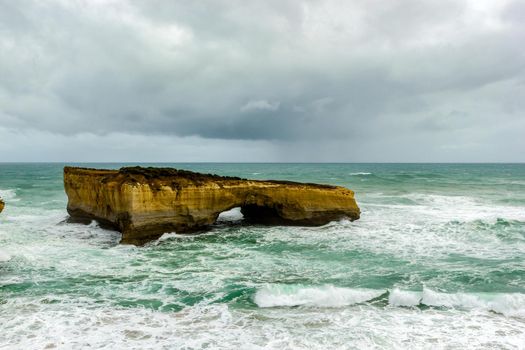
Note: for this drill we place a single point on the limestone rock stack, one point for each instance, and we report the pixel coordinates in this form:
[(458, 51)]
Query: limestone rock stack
[(144, 203)]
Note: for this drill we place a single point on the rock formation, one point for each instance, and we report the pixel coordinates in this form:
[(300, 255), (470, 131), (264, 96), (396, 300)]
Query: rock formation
[(2, 205), (144, 203)]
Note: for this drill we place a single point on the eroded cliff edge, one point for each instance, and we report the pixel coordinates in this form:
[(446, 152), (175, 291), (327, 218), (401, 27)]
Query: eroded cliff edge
[(144, 203)]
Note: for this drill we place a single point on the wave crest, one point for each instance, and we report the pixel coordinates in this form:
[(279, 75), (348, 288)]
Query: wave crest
[(8, 194), (360, 174), (508, 304), (325, 296)]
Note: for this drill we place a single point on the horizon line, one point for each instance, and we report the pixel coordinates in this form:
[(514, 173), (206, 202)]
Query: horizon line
[(211, 162)]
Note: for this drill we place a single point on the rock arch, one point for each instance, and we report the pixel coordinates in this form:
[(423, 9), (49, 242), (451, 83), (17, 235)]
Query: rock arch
[(144, 203)]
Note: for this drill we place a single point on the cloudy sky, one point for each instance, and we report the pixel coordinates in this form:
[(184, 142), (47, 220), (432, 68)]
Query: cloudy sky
[(269, 80)]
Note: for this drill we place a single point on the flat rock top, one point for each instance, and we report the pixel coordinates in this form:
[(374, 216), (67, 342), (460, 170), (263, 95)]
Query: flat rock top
[(152, 175)]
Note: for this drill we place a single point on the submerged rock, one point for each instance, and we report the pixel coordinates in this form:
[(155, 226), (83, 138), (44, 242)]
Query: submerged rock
[(144, 203)]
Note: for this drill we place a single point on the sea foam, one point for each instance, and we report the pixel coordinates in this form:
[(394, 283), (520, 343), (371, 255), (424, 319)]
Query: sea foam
[(4, 256)]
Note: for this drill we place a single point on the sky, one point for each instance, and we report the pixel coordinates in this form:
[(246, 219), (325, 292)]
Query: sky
[(262, 81)]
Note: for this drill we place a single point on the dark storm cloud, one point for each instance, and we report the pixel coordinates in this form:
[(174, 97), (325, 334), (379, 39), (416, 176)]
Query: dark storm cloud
[(315, 72)]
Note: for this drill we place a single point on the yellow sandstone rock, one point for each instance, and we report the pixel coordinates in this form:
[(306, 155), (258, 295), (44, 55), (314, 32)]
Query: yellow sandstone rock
[(144, 203)]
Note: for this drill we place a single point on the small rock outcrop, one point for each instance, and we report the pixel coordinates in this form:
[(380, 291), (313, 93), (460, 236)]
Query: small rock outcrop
[(144, 203), (2, 205)]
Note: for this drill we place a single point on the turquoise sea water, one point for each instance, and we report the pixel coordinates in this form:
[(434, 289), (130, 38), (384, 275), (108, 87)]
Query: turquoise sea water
[(437, 260)]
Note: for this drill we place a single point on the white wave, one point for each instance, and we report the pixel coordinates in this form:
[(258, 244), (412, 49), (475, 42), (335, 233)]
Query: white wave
[(432, 298), (431, 227), (230, 215), (443, 207), (170, 235), (325, 296), (8, 195), (93, 224), (512, 304), (359, 173), (399, 297), (80, 323), (167, 236), (508, 304)]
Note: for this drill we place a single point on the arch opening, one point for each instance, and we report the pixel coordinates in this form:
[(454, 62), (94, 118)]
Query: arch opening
[(264, 215), (232, 215), (252, 214)]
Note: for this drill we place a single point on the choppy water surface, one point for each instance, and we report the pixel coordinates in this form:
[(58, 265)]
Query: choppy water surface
[(436, 261)]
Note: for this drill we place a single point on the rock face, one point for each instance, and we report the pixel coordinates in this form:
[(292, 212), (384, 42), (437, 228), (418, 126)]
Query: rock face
[(144, 203), (2, 205)]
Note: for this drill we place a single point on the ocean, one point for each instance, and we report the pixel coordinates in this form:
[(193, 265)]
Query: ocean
[(437, 261)]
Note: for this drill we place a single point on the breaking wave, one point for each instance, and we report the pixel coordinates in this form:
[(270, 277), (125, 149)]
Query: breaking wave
[(8, 194), (325, 296), (508, 304), (360, 173)]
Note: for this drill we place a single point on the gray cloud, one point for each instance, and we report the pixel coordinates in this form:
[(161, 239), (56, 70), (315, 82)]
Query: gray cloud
[(307, 78)]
